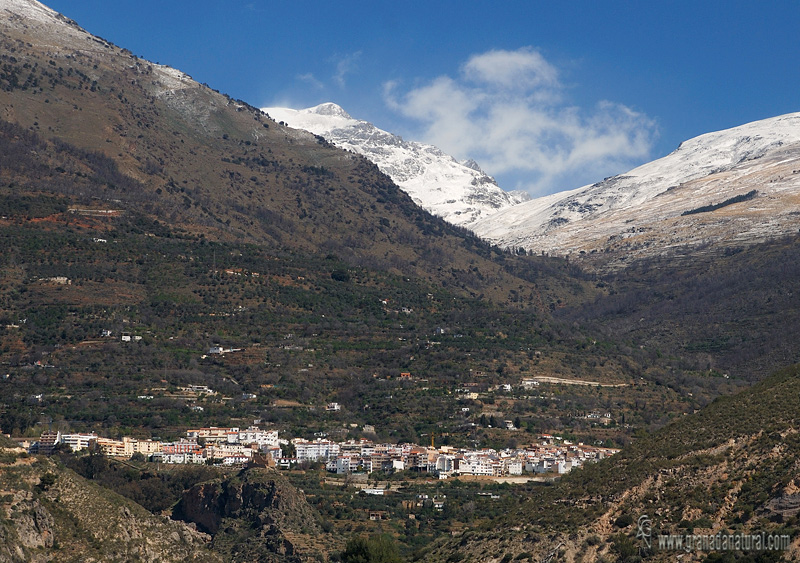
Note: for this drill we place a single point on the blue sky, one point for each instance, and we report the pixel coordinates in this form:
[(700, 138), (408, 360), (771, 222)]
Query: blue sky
[(546, 96)]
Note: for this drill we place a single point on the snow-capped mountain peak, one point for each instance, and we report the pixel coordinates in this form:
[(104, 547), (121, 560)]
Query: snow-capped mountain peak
[(460, 193), (656, 205), (472, 165), (32, 10), (331, 109)]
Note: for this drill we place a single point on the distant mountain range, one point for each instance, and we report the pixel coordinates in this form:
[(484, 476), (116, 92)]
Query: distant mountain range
[(459, 192), (733, 187), (724, 189)]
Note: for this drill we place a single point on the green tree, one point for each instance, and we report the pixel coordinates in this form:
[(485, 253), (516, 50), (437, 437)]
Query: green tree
[(376, 549), (46, 481)]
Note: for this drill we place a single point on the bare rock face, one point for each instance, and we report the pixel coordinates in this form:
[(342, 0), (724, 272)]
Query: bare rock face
[(29, 534), (35, 528), (787, 505), (49, 513), (252, 516)]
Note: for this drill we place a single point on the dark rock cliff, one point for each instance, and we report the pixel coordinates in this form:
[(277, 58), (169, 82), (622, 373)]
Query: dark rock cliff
[(255, 514)]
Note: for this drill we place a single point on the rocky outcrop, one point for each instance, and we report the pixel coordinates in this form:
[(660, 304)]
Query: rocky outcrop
[(32, 528), (35, 527), (49, 513), (251, 516)]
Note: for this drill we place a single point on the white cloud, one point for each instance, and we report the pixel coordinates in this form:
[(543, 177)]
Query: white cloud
[(506, 110), (517, 70), (310, 79), (253, 7), (345, 64)]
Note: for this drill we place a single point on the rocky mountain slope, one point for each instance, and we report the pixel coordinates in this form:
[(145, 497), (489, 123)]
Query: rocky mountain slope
[(221, 169), (730, 468), (459, 192), (722, 189), (255, 516), (48, 513)]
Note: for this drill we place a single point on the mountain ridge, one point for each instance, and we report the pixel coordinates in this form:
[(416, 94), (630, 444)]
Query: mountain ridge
[(643, 212), (459, 192), (740, 186), (218, 166)]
